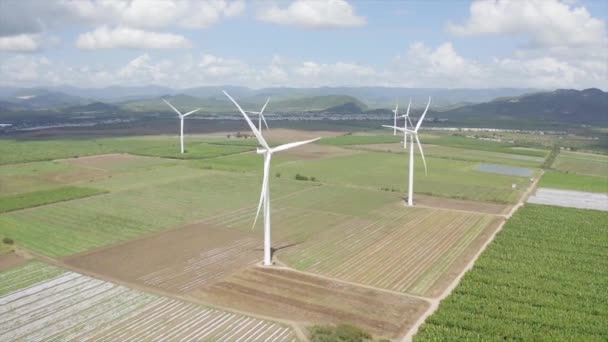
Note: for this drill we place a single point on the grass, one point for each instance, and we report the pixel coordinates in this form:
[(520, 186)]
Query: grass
[(538, 280), (570, 181), (446, 178), (360, 140), (42, 197)]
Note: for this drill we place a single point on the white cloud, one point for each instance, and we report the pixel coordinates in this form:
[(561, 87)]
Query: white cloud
[(313, 14), (20, 42), (34, 16), (546, 22), (125, 37)]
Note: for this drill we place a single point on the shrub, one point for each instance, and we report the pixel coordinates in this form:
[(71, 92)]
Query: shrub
[(8, 241), (313, 179), (278, 175), (300, 177), (342, 332)]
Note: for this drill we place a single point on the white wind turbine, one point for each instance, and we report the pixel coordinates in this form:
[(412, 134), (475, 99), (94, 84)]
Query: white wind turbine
[(260, 115), (414, 133), (267, 151), (181, 123)]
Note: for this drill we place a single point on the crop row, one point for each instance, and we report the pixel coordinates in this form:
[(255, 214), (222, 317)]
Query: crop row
[(71, 306), (538, 280)]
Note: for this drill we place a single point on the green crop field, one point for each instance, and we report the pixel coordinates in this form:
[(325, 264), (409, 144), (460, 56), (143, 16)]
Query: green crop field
[(41, 197), (570, 181), (20, 151), (582, 163), (538, 280), (139, 203), (375, 170)]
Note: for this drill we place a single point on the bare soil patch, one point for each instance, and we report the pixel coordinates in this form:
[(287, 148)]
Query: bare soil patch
[(111, 162), (10, 260), (79, 174), (315, 151), (284, 135), (458, 204), (178, 260), (389, 147), (279, 292)]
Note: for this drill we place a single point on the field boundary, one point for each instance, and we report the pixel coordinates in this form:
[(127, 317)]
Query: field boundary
[(436, 301)]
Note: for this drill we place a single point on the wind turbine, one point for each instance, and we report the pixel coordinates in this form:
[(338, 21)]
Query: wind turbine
[(414, 133), (267, 151), (181, 124), (260, 115)]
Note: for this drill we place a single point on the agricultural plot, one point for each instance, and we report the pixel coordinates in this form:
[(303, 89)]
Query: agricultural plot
[(571, 199), (66, 228), (281, 292), (446, 178), (582, 163), (21, 151), (505, 170), (416, 251), (115, 163), (571, 181), (71, 306), (178, 261), (41, 197), (455, 153), (538, 280), (29, 177)]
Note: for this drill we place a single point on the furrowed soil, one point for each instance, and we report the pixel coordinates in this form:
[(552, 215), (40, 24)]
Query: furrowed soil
[(279, 292), (178, 260)]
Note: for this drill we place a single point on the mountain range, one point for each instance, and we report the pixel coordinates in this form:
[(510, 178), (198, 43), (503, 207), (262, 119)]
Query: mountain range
[(474, 107)]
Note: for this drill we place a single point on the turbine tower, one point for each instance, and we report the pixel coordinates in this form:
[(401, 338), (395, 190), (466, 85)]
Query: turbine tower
[(181, 124), (395, 118), (406, 118), (267, 151), (414, 133), (260, 115)]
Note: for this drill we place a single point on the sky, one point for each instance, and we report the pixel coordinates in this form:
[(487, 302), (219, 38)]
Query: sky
[(546, 44)]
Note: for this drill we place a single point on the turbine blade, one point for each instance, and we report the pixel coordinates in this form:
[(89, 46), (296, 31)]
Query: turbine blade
[(423, 115), (264, 121), (251, 125), (292, 145), (175, 109), (265, 104), (407, 113), (421, 153), (400, 129), (410, 121), (263, 192), (191, 112)]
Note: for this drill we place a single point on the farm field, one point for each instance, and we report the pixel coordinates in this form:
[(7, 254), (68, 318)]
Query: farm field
[(537, 280), (571, 199), (88, 309), (343, 242), (415, 251), (139, 209), (456, 153), (571, 181), (582, 163), (280, 292), (376, 170)]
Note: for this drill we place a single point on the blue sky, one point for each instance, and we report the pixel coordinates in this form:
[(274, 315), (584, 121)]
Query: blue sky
[(183, 43)]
